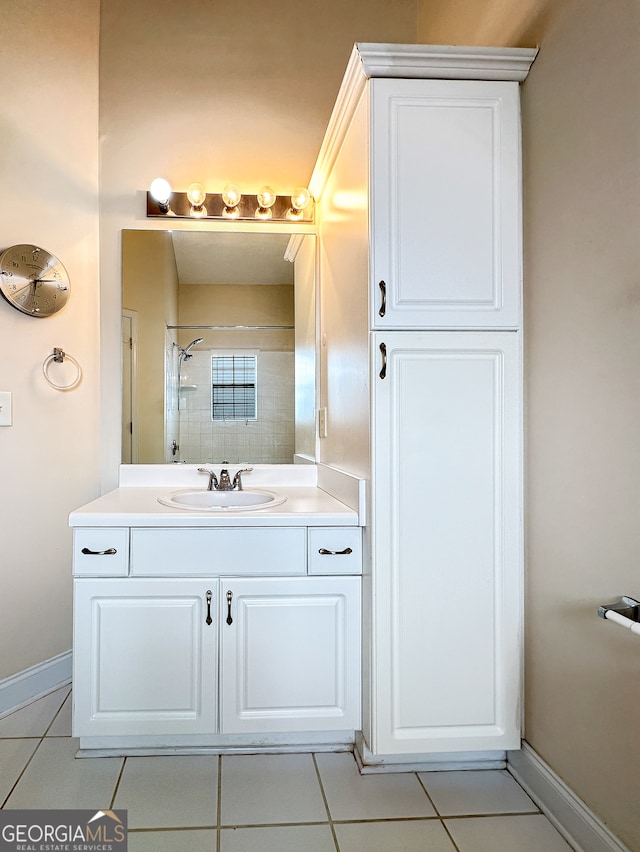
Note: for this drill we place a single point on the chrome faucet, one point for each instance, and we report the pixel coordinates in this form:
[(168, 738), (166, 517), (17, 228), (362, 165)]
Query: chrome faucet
[(213, 479), (237, 479), (224, 483)]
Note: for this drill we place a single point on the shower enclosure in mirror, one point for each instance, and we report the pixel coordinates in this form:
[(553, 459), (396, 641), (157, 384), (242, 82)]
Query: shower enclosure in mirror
[(219, 349)]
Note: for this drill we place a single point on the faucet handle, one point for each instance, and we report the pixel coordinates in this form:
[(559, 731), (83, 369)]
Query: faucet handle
[(213, 479), (237, 479)]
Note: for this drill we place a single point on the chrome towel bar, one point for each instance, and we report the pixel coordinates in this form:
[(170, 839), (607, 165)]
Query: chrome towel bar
[(625, 612)]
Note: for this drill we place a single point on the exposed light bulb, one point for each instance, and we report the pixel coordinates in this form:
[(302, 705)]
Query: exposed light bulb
[(197, 195), (160, 191), (266, 197), (231, 195), (300, 198)]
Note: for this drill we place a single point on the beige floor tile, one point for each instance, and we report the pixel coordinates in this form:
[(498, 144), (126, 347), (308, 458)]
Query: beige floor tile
[(394, 836), (188, 840), (56, 779), (527, 833), (269, 788), (278, 838), (476, 792), (34, 719), (61, 726), (169, 791), (354, 796), (14, 755)]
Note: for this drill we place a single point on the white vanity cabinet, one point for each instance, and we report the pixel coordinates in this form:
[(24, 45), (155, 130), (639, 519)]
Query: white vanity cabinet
[(447, 585), (445, 204), (290, 654), (186, 655), (145, 656)]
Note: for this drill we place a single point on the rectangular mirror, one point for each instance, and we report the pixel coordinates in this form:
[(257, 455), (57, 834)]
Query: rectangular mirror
[(218, 347)]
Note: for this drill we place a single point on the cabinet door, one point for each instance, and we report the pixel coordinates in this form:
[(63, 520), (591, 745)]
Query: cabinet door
[(446, 220), (290, 657), (447, 565), (144, 657)]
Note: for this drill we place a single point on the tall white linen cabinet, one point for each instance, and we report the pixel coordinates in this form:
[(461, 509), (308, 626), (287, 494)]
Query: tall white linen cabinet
[(418, 188)]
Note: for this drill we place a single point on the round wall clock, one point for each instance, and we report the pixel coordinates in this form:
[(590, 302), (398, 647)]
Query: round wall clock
[(33, 281)]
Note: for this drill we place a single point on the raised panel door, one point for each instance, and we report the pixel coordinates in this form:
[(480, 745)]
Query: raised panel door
[(145, 659), (290, 654), (446, 218), (446, 542)]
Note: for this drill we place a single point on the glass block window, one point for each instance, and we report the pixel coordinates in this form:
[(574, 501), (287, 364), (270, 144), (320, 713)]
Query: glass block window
[(233, 387)]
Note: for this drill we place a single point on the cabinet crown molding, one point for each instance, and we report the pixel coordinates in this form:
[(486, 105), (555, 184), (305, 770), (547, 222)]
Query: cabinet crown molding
[(434, 61), (414, 61)]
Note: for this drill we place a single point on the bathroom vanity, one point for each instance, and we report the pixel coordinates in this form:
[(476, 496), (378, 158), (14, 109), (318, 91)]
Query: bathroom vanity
[(203, 629)]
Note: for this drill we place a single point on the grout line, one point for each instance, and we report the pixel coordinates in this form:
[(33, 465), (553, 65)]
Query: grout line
[(433, 804), (56, 714), (29, 737), (326, 803), (20, 776), (274, 824), (488, 816), (164, 828), (119, 778)]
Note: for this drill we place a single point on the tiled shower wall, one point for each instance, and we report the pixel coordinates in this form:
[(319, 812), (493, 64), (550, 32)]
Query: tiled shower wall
[(267, 440)]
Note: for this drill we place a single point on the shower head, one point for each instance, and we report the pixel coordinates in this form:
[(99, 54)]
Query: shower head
[(184, 353)]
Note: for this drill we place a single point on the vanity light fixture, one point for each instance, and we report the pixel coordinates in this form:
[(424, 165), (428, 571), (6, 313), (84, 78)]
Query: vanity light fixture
[(160, 191), (230, 204), (299, 202), (231, 196), (266, 199), (197, 197)]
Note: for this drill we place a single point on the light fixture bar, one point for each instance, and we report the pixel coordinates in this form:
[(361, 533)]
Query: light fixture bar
[(214, 207)]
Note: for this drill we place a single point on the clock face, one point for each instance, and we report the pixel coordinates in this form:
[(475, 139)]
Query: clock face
[(33, 280)]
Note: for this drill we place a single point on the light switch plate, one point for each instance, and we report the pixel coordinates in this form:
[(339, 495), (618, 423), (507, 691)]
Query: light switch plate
[(5, 408)]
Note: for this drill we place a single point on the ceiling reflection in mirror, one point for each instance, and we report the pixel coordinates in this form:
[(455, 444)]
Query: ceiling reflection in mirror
[(218, 347)]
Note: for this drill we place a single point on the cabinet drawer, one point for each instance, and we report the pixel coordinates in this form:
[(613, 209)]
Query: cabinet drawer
[(335, 550), (218, 552), (100, 552)]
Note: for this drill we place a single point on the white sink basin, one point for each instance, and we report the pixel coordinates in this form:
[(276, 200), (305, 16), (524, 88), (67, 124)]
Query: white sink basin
[(221, 501)]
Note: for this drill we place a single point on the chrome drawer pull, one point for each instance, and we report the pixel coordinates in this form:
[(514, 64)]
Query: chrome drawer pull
[(383, 351), (111, 551), (383, 291), (324, 552)]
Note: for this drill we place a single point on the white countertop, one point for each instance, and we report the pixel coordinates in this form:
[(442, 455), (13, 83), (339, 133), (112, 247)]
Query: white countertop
[(139, 507), (316, 495)]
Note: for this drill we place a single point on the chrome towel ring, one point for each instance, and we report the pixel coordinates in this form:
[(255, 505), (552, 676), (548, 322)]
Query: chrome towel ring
[(57, 357)]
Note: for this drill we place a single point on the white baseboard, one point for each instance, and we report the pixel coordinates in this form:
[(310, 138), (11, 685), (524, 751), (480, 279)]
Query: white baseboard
[(574, 820), (26, 686)]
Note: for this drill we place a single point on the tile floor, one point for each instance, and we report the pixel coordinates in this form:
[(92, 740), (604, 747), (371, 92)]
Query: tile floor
[(265, 803)]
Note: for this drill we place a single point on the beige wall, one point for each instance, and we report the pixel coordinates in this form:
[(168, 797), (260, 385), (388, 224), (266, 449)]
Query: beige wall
[(497, 23), (49, 186), (582, 324)]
